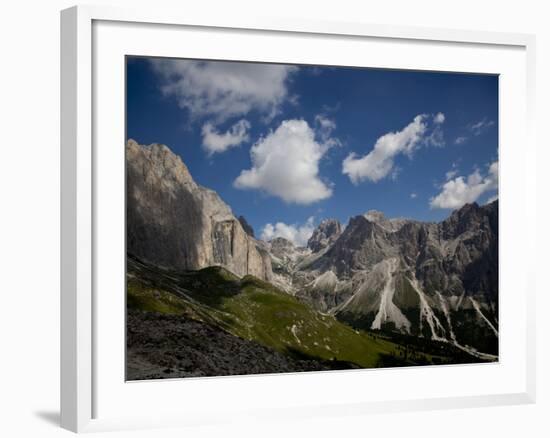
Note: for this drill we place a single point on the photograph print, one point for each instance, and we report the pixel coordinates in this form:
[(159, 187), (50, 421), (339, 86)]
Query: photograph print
[(291, 218)]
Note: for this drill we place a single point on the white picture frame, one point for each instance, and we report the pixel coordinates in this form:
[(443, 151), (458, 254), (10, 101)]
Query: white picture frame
[(84, 371)]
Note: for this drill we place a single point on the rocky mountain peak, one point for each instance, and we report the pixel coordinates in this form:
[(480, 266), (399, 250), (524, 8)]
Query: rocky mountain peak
[(388, 224), (163, 165), (324, 235), (466, 209), (374, 216), (468, 217)]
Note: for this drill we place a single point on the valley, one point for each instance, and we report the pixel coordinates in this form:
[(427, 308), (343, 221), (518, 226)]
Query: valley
[(205, 297)]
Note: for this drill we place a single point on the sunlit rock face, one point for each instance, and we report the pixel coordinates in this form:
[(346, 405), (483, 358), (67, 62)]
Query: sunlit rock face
[(174, 222)]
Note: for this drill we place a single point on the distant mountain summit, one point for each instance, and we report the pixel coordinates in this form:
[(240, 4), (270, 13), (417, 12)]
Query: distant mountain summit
[(324, 235), (392, 224)]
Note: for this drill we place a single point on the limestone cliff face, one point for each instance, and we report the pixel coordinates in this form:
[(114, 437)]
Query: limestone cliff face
[(174, 222)]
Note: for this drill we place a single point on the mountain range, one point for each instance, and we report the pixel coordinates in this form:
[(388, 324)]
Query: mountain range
[(404, 280)]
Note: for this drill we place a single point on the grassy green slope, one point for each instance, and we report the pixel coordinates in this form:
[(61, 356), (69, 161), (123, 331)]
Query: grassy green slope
[(256, 310)]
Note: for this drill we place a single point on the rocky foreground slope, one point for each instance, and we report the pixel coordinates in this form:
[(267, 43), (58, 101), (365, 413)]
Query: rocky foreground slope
[(161, 346)]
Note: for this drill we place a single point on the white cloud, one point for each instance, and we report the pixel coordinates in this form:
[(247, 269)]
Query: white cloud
[(492, 199), (214, 142), (451, 174), (439, 118), (461, 190), (379, 162), (481, 126), (224, 89), (325, 123), (296, 233), (474, 129), (285, 164), (461, 140), (395, 173), (325, 127), (413, 195), (435, 138)]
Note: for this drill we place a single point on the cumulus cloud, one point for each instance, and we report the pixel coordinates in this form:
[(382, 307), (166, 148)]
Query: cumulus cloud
[(215, 142), (221, 90), (462, 190), (285, 163), (413, 195), (298, 234), (379, 162)]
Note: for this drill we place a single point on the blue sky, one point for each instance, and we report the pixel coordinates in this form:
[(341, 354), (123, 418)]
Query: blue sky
[(287, 146)]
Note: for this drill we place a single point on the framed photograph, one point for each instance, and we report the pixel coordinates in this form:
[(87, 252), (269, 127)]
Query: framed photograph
[(288, 218)]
